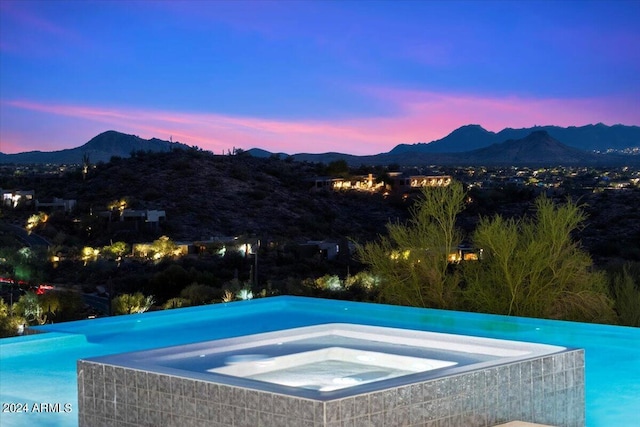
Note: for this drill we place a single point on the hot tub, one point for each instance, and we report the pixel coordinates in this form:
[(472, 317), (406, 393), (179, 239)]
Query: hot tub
[(328, 369), (324, 374)]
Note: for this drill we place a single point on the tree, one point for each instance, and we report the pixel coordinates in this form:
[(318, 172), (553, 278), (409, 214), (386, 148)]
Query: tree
[(50, 302), (89, 254), (164, 247), (131, 303), (169, 282), (86, 164), (36, 220), (176, 303), (626, 292), (30, 309), (532, 267), (25, 264), (198, 294), (338, 168), (61, 305), (119, 204), (116, 251), (412, 262), (9, 324)]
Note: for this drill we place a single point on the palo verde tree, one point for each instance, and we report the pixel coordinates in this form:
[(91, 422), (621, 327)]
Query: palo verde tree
[(412, 261), (532, 267)]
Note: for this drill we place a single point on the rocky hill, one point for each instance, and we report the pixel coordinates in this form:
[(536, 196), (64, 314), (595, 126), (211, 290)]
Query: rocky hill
[(465, 138), (99, 149), (537, 148), (206, 195)]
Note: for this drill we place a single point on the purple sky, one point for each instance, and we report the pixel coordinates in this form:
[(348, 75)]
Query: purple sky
[(356, 77)]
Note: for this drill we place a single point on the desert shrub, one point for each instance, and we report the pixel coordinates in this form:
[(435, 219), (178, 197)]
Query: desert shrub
[(169, 282), (533, 268), (61, 305), (181, 165), (625, 288), (176, 303), (131, 303), (239, 171), (198, 294), (29, 308), (10, 324)]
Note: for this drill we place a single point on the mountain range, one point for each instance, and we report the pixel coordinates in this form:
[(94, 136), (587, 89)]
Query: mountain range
[(540, 145), (467, 145), (597, 137)]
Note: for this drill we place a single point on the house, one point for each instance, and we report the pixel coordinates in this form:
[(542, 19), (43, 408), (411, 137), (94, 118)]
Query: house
[(398, 182), (13, 198), (322, 249), (326, 249), (149, 218), (66, 205), (401, 182)]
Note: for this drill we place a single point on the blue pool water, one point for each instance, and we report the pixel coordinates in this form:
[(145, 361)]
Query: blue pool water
[(38, 372)]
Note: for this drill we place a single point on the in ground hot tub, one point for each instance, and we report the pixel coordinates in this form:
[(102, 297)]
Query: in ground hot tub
[(328, 374), (328, 369)]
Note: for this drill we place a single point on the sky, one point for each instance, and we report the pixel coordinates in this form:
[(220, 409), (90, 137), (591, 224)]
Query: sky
[(303, 76)]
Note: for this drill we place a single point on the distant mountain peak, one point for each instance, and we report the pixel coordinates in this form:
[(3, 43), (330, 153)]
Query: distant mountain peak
[(464, 138), (474, 127), (538, 147), (538, 136)]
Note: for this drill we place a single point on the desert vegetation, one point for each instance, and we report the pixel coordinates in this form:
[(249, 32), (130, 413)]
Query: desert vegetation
[(529, 266)]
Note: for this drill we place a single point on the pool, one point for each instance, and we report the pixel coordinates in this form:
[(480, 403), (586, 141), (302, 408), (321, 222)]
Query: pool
[(40, 370)]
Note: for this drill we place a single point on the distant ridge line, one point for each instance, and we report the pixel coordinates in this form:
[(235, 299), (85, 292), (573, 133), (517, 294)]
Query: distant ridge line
[(460, 147)]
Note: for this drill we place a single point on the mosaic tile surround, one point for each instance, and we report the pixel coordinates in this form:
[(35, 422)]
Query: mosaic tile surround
[(547, 390)]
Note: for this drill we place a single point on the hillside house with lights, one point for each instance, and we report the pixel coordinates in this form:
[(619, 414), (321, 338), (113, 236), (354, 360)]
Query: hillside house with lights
[(398, 182)]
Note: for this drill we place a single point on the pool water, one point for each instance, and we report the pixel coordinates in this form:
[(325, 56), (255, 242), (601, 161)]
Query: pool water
[(38, 372)]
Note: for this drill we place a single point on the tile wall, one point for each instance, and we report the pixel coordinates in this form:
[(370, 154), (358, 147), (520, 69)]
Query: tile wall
[(547, 390)]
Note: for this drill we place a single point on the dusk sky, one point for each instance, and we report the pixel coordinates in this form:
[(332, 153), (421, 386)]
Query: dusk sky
[(355, 77)]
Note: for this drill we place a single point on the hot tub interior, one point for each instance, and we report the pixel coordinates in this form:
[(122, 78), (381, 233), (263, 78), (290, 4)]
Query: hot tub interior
[(328, 369), (331, 357)]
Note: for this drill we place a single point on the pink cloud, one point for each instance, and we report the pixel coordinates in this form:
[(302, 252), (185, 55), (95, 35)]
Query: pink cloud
[(11, 143), (217, 132), (420, 116)]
